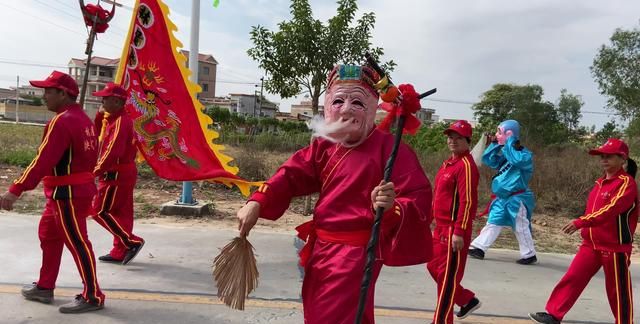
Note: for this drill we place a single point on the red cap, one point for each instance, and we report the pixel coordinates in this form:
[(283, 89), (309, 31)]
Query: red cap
[(112, 89), (612, 146), (60, 81), (462, 127)]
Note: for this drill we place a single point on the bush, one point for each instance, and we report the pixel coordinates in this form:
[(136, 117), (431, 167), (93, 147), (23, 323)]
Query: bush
[(19, 157)]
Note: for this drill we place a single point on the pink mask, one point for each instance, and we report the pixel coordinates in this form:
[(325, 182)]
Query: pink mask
[(350, 111), (502, 136)]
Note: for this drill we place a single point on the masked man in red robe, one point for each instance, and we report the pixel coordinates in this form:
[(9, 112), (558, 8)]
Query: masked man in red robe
[(345, 165)]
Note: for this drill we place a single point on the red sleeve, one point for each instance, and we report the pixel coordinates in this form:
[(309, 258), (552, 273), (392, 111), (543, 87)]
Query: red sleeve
[(98, 121), (467, 187), (624, 198), (111, 151), (405, 234), (54, 143), (296, 177)]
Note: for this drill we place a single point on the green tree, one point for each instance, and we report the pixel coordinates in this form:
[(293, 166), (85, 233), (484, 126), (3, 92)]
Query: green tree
[(608, 130), (616, 69), (501, 101), (569, 106), (539, 118), (298, 57), (219, 115)]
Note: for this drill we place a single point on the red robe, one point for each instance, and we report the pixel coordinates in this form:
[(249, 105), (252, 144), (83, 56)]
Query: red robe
[(343, 217)]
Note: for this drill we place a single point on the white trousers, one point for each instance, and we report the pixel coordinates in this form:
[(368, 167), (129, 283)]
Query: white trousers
[(490, 233)]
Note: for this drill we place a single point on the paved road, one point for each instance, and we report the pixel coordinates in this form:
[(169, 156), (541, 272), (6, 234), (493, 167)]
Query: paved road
[(171, 282)]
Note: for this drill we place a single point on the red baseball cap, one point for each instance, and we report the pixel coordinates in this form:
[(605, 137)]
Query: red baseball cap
[(112, 89), (60, 81), (612, 146), (462, 127)]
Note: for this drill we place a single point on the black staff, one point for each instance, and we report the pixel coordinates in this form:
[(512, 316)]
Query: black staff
[(375, 230)]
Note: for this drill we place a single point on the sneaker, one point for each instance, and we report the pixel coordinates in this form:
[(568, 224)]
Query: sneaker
[(476, 253), (33, 292), (543, 318), (109, 258), (527, 261), (469, 308), (80, 305), (131, 253)]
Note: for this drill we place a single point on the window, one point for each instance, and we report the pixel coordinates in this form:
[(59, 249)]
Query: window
[(205, 87), (205, 70)]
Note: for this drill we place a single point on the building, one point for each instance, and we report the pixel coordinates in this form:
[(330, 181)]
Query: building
[(250, 105), (104, 69), (7, 93), (305, 108), (207, 72), (221, 102), (426, 115), (31, 91)]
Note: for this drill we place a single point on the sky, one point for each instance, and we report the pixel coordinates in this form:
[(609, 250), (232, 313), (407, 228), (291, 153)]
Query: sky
[(460, 47)]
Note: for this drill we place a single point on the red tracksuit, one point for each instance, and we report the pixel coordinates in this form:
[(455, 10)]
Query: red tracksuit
[(607, 230), (65, 161), (117, 174), (455, 201)]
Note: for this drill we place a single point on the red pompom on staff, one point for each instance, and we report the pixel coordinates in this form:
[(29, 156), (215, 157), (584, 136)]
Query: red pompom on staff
[(97, 19), (401, 102)]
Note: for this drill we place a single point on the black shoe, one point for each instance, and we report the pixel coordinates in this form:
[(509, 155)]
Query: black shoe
[(529, 260), (543, 318), (80, 305), (109, 258), (469, 308), (33, 292), (476, 253), (131, 253)]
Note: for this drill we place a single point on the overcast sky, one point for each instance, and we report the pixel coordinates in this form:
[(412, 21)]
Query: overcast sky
[(460, 47)]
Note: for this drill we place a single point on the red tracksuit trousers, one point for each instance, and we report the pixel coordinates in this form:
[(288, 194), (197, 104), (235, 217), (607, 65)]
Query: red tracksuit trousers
[(447, 269), (64, 222), (584, 266), (114, 207)]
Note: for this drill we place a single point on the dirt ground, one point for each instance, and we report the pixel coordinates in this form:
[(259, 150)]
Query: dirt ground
[(151, 192)]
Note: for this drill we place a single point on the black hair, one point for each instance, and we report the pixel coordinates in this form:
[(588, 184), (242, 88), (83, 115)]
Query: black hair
[(468, 140), (632, 167)]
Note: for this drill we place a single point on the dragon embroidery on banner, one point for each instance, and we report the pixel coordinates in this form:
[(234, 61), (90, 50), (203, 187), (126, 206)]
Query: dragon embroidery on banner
[(167, 135), (157, 135)]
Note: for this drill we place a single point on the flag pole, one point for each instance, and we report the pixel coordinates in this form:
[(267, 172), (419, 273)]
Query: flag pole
[(187, 187)]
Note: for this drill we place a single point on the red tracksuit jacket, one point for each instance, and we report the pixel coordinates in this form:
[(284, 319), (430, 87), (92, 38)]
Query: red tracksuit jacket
[(69, 147), (117, 148), (611, 215), (455, 195)]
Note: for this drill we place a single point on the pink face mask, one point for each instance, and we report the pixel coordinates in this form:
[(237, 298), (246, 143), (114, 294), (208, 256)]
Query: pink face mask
[(502, 136), (350, 111)]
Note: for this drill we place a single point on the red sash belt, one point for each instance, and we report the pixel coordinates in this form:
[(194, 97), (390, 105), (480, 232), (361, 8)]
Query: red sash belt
[(309, 233), (493, 197), (68, 180), (123, 167)]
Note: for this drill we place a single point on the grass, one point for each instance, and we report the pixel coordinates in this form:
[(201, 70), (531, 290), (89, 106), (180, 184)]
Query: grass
[(19, 143)]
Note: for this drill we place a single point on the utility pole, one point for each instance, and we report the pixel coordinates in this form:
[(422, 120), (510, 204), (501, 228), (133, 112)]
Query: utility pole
[(17, 98), (261, 84), (187, 187)]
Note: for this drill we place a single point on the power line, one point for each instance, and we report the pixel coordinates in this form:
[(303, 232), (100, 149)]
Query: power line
[(54, 24), (2, 61), (461, 102)]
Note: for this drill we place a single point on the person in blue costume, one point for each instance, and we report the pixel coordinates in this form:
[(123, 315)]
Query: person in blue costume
[(512, 201)]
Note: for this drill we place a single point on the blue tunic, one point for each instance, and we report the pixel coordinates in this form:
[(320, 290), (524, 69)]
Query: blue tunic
[(511, 182)]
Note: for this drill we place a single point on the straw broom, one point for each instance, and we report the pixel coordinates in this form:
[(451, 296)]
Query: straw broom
[(235, 272)]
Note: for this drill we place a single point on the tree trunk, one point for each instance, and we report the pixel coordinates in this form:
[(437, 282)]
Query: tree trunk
[(315, 97)]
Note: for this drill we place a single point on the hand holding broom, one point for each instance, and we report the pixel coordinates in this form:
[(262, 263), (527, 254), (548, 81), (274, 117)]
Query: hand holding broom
[(234, 269)]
